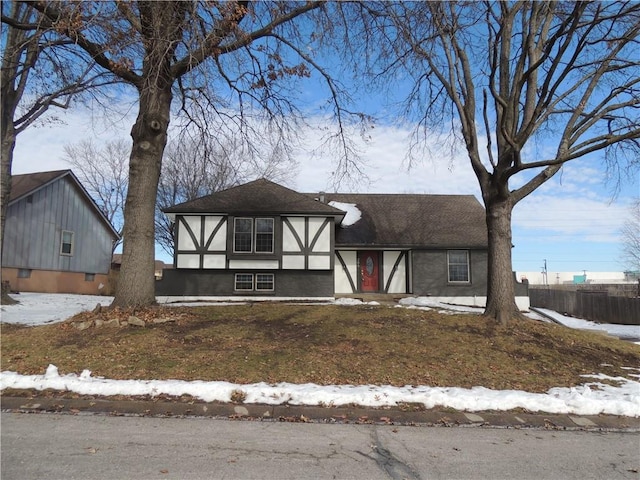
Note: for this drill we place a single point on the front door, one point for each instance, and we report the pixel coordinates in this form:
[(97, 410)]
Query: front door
[(369, 263)]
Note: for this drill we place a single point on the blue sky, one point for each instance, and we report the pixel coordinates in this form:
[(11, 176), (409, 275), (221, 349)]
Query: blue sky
[(573, 221)]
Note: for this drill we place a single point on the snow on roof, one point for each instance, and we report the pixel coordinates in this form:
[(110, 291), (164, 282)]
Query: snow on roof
[(352, 216)]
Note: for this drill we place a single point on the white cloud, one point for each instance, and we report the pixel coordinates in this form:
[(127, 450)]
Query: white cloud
[(41, 148), (574, 205), (589, 219), (386, 167)]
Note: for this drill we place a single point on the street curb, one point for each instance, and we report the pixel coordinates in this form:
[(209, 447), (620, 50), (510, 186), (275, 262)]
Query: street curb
[(295, 413)]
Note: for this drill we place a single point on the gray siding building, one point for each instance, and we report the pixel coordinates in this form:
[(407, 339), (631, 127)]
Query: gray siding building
[(56, 238)]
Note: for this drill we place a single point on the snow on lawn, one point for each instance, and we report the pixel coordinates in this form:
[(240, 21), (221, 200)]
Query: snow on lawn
[(428, 303), (620, 331), (43, 308), (592, 398)]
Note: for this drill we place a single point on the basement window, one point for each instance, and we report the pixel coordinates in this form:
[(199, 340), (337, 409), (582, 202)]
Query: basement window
[(24, 273), (244, 282), (264, 282), (259, 282)]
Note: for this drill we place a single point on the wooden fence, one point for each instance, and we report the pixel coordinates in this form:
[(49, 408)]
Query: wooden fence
[(604, 305)]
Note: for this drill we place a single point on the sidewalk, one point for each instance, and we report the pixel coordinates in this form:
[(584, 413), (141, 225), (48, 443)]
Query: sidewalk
[(293, 413)]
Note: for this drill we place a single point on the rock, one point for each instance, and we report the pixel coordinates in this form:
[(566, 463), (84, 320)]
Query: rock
[(242, 411), (163, 320), (98, 323), (110, 323), (83, 325), (136, 322)]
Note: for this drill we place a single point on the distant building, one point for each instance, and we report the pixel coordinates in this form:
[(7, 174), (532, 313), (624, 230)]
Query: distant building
[(577, 278), (56, 239), (159, 266)]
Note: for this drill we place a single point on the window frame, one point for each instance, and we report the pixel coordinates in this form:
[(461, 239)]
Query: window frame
[(254, 282), (271, 234), (450, 264), (236, 281), (235, 234), (70, 243), (253, 236), (273, 282)]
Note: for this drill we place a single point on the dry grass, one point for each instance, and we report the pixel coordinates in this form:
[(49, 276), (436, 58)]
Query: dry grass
[(321, 344)]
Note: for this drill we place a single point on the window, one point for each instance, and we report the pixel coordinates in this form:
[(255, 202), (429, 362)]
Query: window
[(242, 235), (243, 239), (264, 235), (244, 282), (66, 248), (264, 282), (24, 273), (89, 277), (458, 266)]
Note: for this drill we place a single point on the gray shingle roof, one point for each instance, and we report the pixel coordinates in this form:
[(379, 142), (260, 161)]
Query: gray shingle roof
[(409, 220), (258, 197), (388, 220), (28, 183)]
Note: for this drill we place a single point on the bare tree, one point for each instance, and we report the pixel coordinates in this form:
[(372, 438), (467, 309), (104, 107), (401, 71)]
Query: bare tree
[(528, 86), (39, 71), (631, 237), (197, 165), (103, 171), (224, 57)]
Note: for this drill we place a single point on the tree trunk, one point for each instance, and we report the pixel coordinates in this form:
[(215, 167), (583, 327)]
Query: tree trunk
[(501, 303), (136, 282), (8, 144)]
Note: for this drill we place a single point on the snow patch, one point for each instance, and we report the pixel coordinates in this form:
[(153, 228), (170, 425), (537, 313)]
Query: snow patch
[(353, 213), (590, 399)]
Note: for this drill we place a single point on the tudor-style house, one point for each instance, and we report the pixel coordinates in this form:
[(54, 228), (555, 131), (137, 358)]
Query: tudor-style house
[(261, 239), (254, 239), (57, 240)]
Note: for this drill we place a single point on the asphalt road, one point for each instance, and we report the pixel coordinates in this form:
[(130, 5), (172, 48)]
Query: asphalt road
[(87, 446)]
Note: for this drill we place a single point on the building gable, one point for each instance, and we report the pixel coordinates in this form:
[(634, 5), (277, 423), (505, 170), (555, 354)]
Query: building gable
[(53, 224), (25, 185)]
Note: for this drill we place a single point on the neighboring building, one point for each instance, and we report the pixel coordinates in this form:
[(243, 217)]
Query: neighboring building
[(264, 240), (159, 265), (578, 278), (57, 240)]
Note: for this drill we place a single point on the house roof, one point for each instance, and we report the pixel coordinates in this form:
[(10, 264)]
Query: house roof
[(29, 183), (411, 220), (258, 197)]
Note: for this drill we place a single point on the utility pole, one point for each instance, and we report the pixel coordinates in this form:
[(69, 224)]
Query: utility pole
[(544, 273)]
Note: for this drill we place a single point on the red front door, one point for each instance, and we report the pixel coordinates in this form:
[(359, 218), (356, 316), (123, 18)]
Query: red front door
[(369, 271)]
